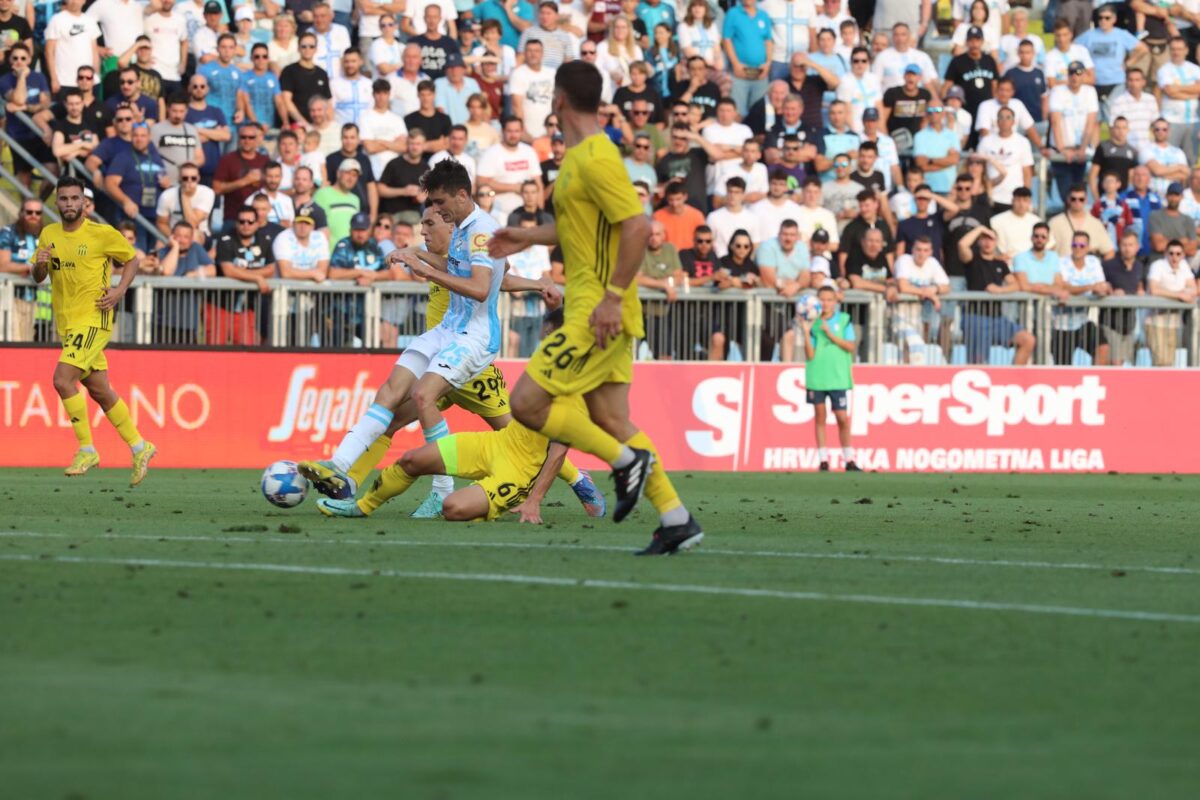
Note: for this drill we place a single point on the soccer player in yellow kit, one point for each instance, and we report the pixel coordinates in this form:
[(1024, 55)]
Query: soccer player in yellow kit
[(486, 396), (76, 255), (603, 232)]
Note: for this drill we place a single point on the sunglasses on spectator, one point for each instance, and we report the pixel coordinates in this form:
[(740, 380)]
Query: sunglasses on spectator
[(308, 47), (791, 147), (190, 178), (587, 52), (704, 241), (1077, 198), (247, 221), (741, 246), (1079, 245), (934, 109), (642, 146), (387, 24), (963, 187), (257, 56), (32, 212), (83, 77), (203, 87), (245, 136), (122, 119), (840, 164), (1107, 16), (129, 83), (860, 61), (640, 113)]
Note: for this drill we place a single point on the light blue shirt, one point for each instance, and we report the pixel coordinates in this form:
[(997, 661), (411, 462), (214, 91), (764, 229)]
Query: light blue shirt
[(937, 144), (479, 321), (1037, 270), (1108, 52), (749, 35), (653, 15), (454, 101), (262, 90), (223, 85), (787, 266)]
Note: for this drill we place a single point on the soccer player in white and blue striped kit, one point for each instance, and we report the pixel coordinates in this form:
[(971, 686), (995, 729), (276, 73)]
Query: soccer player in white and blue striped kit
[(449, 355)]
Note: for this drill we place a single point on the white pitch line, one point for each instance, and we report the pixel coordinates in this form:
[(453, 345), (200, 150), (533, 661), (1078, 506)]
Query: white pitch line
[(706, 551), (594, 583)]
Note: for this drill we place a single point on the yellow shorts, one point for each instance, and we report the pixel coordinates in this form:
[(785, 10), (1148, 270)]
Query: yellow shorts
[(568, 361), (84, 348), (485, 395), (479, 456)]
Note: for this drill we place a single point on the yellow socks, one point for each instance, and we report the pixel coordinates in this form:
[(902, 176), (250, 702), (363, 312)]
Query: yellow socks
[(370, 459), (569, 423), (658, 486), (391, 482), (76, 406), (568, 472), (118, 415)]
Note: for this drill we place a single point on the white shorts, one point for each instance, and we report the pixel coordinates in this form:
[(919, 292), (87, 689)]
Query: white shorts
[(455, 356)]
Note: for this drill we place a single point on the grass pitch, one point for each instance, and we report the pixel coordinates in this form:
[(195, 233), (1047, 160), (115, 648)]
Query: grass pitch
[(837, 636)]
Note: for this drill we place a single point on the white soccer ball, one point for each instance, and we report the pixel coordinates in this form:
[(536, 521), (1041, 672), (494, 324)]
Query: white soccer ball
[(808, 307), (283, 485)]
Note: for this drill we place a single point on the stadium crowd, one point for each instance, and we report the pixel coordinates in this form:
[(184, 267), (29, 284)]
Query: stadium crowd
[(780, 145)]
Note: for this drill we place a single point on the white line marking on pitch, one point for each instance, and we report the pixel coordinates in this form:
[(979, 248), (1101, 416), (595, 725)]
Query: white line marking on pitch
[(836, 556), (592, 583)]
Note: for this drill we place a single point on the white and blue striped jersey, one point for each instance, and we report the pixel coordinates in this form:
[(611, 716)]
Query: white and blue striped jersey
[(468, 249)]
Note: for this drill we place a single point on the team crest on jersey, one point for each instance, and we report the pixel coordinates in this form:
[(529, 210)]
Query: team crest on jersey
[(82, 251), (479, 243)]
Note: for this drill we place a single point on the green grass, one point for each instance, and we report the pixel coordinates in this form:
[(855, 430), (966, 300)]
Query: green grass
[(154, 681)]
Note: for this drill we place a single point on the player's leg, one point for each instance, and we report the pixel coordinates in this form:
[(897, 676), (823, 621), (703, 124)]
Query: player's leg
[(66, 383), (427, 398), (118, 414), (392, 482), (466, 504), (817, 399), (841, 413)]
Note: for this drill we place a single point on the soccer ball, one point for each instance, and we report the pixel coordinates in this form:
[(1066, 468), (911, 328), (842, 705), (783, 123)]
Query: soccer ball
[(283, 485), (808, 307)]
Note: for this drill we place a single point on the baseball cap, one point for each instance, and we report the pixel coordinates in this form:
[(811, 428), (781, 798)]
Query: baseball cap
[(820, 235), (870, 114), (349, 164), (305, 213), (955, 93), (1175, 188), (1076, 68), (915, 69), (360, 222), (975, 32), (212, 7), (454, 60), (243, 12), (558, 137)]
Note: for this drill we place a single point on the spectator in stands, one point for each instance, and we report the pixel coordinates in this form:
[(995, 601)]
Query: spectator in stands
[(71, 138), (340, 200), (893, 65), (1078, 274), (749, 47), (699, 261), (333, 38), (300, 82), (1179, 88), (1114, 156), (868, 267), (1169, 278), (1167, 163), (1029, 82), (262, 207), (18, 243), (679, 218), (778, 205), (978, 17), (1136, 105), (660, 269), (865, 174), (244, 255), (557, 43), (452, 90), (975, 72), (927, 223), (1065, 53), (302, 252), (429, 120), (178, 141), (797, 160), (905, 104), (888, 157), (27, 91), (457, 150), (509, 19), (188, 201), (840, 195), (1036, 268), (13, 29), (1074, 128), (383, 132), (211, 123), (282, 209), (95, 116), (763, 114), (733, 216), (531, 89), (70, 43), (127, 88), (751, 170), (240, 174), (482, 130), (984, 323), (505, 166), (1010, 43), (135, 179), (812, 215), (1127, 275), (1112, 50), (783, 261), (1009, 158), (1076, 219), (358, 258), (861, 88), (790, 126), (284, 47), (1023, 121), (699, 36), (351, 149), (638, 88), (640, 162), (937, 151), (352, 91), (224, 78), (1142, 202), (918, 275), (686, 164), (177, 317), (1014, 228), (435, 46), (531, 206), (399, 187), (1171, 225)]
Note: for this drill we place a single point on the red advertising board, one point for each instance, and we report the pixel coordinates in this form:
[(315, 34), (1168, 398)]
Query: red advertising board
[(238, 409)]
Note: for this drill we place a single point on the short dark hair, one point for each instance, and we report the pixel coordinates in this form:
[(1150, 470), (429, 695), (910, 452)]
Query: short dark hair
[(828, 288), (736, 183), (426, 86), (1021, 191), (869, 145), (676, 187), (69, 181), (865, 195), (183, 223), (447, 176), (380, 85), (923, 240), (272, 165), (348, 126), (71, 91), (580, 84), (177, 99)]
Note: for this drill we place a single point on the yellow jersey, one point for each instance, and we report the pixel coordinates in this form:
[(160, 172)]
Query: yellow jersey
[(439, 304), (523, 447), (80, 272), (592, 197)]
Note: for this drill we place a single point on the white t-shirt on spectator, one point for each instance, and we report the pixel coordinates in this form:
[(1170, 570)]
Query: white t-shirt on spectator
[(790, 21), (985, 115), (961, 12), (1141, 113), (382, 126), (860, 94), (204, 42), (383, 52), (1074, 108), (725, 223), (351, 98), (509, 166), (404, 93), (1179, 111), (282, 208), (706, 41), (1015, 153), (415, 11), (1072, 319), (733, 135), (820, 218), (1057, 62), (467, 161), (1166, 155), (930, 273), (1010, 45), (301, 256), (531, 263), (889, 66), (330, 47), (771, 216), (1173, 280), (756, 179), (74, 36), (991, 37), (203, 200), (537, 89), (165, 35), (121, 23)]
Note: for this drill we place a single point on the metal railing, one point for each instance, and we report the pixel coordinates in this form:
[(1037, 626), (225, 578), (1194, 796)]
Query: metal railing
[(752, 326)]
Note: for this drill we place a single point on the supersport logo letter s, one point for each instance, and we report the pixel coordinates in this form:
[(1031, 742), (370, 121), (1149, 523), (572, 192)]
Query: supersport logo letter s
[(717, 402)]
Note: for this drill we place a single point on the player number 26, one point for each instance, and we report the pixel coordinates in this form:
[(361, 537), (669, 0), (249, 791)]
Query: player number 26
[(565, 356)]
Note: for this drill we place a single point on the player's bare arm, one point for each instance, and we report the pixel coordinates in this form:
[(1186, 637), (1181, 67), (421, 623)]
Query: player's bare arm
[(606, 317), (113, 295), (436, 260), (551, 293), (474, 287), (507, 241), (531, 510), (41, 263)]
